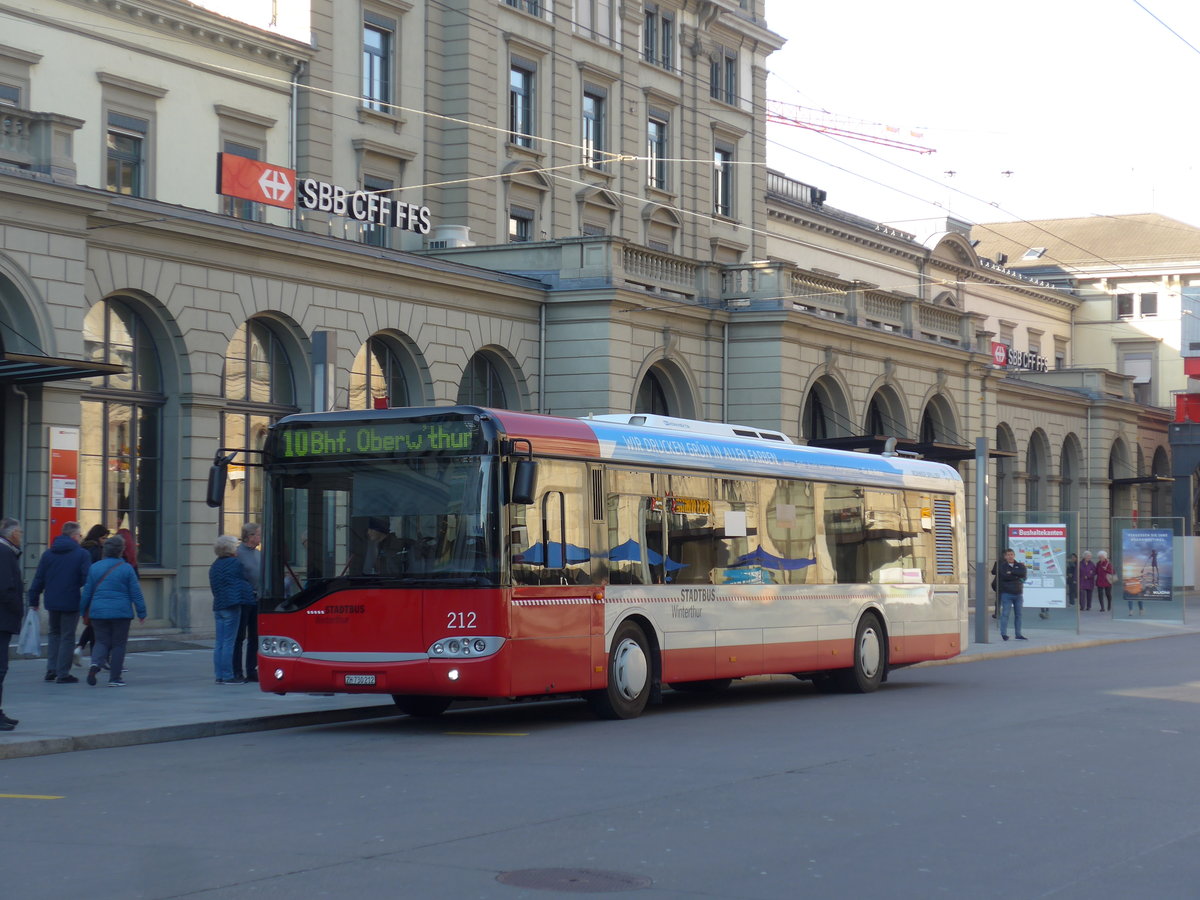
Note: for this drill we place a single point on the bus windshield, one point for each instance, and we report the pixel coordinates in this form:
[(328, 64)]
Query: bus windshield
[(421, 521)]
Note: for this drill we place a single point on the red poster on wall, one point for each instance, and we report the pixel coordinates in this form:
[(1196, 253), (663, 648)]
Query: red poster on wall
[(64, 478)]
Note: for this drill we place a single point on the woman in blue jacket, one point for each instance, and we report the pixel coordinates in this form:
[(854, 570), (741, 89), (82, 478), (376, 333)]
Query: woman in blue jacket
[(231, 589), (110, 598)]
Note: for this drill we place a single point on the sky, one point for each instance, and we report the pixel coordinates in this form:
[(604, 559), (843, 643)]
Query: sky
[(1041, 108)]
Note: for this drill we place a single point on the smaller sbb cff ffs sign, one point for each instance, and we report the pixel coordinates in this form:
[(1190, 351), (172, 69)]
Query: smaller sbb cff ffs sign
[(305, 441), (1004, 357)]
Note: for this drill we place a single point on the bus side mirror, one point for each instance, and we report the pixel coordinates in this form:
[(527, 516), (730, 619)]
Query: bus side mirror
[(524, 482), (215, 494)]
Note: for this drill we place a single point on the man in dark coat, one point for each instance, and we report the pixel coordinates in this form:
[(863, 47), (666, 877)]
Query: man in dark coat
[(1010, 578), (12, 593), (61, 574)]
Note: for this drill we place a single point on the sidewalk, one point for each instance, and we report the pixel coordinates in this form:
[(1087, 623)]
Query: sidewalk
[(171, 696)]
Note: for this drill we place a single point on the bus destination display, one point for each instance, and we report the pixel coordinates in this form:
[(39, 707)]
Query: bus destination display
[(304, 441)]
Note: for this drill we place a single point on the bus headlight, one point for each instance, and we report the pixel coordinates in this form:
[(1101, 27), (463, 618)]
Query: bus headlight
[(269, 645), (465, 648)]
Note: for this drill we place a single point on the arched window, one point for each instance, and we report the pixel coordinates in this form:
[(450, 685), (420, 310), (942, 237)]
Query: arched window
[(259, 389), (482, 384), (1006, 468), (1068, 472), (1036, 474), (379, 374), (825, 413), (120, 440), (652, 396)]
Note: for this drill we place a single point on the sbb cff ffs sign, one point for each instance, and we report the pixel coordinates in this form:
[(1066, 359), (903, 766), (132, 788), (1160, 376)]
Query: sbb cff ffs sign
[(249, 179), (1004, 357), (363, 206)]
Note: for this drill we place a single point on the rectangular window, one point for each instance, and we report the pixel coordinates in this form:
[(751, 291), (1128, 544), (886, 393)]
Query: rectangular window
[(593, 130), (235, 206), (1149, 305), (723, 181), (594, 19), (377, 235), (126, 154), (1124, 306), (10, 95), (1141, 366), (656, 152), (520, 225), (533, 7), (378, 62), (722, 83), (658, 37), (520, 104)]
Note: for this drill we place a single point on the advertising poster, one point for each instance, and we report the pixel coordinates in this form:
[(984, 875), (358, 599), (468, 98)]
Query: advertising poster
[(1146, 563), (64, 477), (1043, 549)]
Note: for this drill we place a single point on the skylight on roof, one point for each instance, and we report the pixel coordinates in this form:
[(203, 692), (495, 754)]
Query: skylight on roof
[(1034, 253)]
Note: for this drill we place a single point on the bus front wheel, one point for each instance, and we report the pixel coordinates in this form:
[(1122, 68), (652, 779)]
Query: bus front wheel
[(870, 658), (629, 676), (421, 706)]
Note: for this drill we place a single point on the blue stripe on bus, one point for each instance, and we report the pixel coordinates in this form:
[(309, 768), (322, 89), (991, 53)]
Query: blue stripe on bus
[(630, 444)]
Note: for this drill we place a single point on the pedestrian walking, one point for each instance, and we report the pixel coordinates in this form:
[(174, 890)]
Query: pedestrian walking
[(12, 601), (111, 597), (1104, 577), (1010, 578), (245, 645), (61, 573), (231, 591), (1087, 580), (1072, 579), (92, 543)]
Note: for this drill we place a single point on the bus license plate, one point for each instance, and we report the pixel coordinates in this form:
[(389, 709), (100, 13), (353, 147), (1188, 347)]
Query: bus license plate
[(360, 679)]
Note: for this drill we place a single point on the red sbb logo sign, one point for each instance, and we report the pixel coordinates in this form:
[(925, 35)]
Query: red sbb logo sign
[(999, 354), (249, 179)]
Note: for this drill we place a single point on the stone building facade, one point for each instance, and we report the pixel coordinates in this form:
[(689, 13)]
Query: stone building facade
[(605, 238)]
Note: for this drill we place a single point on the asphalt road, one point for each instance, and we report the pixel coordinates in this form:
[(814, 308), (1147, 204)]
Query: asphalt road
[(1066, 775)]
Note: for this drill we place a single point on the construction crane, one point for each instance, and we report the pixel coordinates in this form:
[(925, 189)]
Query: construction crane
[(790, 114)]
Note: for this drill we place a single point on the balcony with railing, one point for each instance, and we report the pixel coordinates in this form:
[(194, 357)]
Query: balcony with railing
[(38, 142)]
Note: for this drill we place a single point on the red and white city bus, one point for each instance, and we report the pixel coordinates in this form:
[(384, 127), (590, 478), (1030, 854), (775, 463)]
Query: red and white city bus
[(446, 553)]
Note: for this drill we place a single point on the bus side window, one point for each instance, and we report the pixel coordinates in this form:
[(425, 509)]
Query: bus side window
[(550, 544)]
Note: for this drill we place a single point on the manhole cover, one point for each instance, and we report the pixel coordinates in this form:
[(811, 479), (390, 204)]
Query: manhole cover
[(576, 881)]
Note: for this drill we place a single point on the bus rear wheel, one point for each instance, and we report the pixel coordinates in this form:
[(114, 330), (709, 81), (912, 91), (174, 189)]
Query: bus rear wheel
[(870, 658), (629, 676), (421, 706)]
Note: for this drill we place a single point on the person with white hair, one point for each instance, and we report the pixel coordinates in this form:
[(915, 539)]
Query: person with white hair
[(231, 590), (12, 602)]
